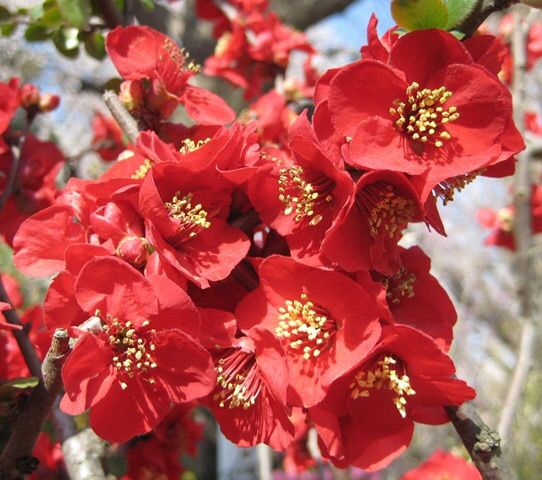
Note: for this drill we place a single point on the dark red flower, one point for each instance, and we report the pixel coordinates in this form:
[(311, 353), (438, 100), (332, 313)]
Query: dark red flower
[(129, 371), (368, 416), (323, 336)]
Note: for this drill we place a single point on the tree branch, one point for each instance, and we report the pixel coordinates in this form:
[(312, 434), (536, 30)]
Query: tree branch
[(484, 9), (16, 459), (482, 443), (304, 13), (126, 122), (522, 231)]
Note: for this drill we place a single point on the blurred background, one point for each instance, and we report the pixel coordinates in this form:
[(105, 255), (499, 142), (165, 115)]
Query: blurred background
[(481, 279)]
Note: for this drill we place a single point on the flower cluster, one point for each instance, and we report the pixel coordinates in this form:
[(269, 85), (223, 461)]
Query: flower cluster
[(253, 45), (254, 266)]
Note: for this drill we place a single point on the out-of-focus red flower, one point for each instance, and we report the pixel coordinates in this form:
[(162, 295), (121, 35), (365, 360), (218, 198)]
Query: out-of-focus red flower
[(323, 337), (130, 372), (502, 222), (51, 460), (443, 466), (297, 458), (107, 139), (368, 415), (142, 54)]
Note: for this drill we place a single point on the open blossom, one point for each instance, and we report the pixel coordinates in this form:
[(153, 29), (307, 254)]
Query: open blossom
[(443, 465), (367, 418), (143, 54), (323, 334), (249, 399), (137, 360), (420, 116)]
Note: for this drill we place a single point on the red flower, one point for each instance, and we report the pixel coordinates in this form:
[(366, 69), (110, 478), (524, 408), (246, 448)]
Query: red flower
[(323, 336), (431, 110), (3, 324), (366, 232), (502, 222), (445, 466), (141, 53), (416, 298), (185, 220), (130, 371), (108, 138), (249, 400), (302, 199), (367, 417)]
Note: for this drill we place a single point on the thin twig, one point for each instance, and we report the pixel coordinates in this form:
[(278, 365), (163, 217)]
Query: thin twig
[(16, 459), (522, 232), (482, 443), (126, 122), (483, 10), (12, 176)]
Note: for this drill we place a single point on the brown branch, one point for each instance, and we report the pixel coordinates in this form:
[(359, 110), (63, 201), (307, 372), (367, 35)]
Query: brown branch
[(482, 443), (301, 14), (12, 176), (126, 122), (109, 13), (484, 9), (522, 231), (16, 460)]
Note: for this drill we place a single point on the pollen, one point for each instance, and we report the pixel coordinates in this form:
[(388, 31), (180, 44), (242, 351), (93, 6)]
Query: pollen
[(447, 189), (301, 197), (400, 286), (305, 327), (387, 210), (387, 373), (142, 170), (132, 350), (424, 115), (188, 145), (192, 218), (238, 380)]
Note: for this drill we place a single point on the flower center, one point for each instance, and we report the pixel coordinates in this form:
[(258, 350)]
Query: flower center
[(505, 218), (142, 170), (133, 352), (386, 210), (188, 145), (192, 218), (239, 379), (423, 116), (447, 188), (399, 286), (306, 326), (301, 195), (387, 373)]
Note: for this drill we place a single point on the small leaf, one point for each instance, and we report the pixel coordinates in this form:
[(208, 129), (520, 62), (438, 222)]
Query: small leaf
[(37, 33), (420, 14), (459, 10), (66, 40), (95, 45), (36, 12), (457, 34), (9, 389), (147, 4), (75, 12), (7, 29)]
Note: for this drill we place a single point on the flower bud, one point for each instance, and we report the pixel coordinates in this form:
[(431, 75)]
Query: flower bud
[(131, 94), (49, 102), (134, 250), (30, 95)]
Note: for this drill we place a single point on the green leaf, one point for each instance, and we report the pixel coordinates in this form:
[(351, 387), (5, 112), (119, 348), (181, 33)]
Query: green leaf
[(37, 33), (7, 29), (419, 14), (51, 16), (147, 4), (95, 45), (459, 10), (9, 390), (36, 12), (66, 40), (75, 12)]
